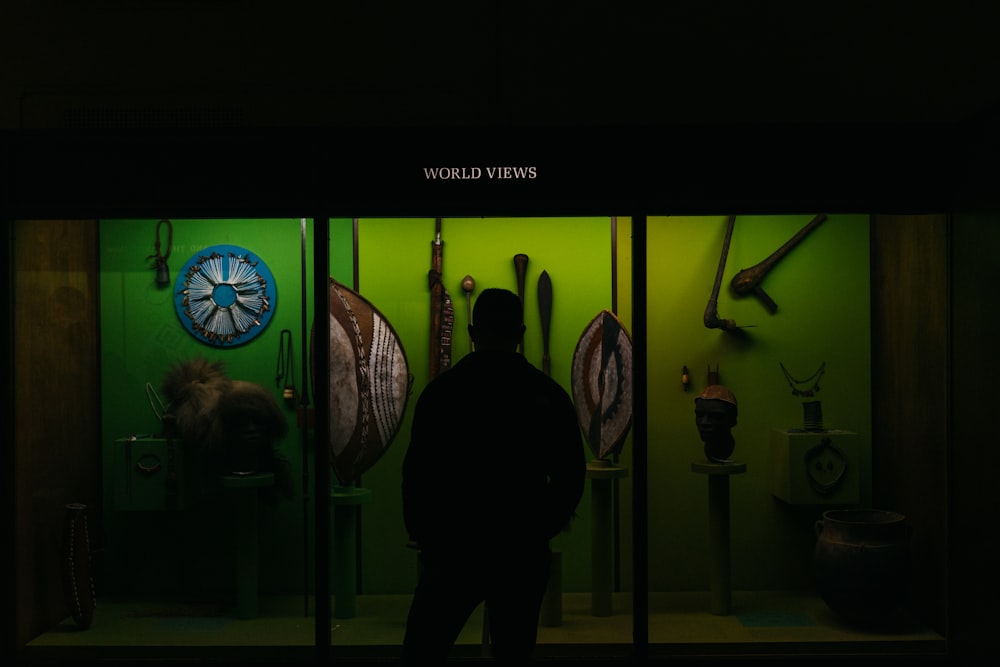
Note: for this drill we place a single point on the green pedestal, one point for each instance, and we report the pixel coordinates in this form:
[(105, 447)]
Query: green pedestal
[(153, 474), (602, 475), (343, 551), (718, 531), (551, 612), (243, 496)]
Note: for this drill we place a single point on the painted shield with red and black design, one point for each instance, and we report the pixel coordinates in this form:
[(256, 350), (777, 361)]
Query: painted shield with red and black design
[(369, 383), (602, 383)]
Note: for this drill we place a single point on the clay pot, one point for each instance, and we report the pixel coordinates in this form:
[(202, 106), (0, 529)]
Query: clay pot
[(78, 582), (862, 564)]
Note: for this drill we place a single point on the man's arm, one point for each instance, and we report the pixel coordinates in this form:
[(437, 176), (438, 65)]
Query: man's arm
[(567, 469), (414, 473)]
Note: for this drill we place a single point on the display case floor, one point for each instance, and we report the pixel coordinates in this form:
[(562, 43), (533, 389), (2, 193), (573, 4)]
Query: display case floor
[(680, 624)]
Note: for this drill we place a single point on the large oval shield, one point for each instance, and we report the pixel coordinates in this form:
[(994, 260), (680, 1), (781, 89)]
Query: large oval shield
[(369, 383), (602, 383)]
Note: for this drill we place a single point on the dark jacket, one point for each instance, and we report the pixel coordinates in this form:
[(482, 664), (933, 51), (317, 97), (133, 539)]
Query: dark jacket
[(496, 458)]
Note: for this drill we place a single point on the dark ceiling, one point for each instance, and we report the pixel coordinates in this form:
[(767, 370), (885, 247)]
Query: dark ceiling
[(684, 105), (121, 63)]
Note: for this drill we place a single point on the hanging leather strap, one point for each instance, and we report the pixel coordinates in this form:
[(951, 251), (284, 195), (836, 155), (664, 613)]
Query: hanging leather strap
[(286, 368), (160, 258)]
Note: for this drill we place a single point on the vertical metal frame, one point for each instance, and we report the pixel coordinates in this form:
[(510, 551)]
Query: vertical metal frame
[(640, 433), (321, 431)]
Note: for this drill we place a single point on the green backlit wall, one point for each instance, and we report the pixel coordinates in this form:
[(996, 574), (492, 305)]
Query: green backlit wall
[(821, 288), (822, 292), (142, 337), (394, 257)]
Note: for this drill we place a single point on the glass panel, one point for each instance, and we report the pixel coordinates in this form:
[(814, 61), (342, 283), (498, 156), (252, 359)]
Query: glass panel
[(193, 548), (201, 530), (583, 261), (759, 421)]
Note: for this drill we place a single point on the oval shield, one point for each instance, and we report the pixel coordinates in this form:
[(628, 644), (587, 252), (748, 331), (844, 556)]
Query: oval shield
[(602, 383), (369, 383)]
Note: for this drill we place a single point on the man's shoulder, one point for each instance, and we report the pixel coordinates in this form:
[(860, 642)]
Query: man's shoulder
[(545, 385)]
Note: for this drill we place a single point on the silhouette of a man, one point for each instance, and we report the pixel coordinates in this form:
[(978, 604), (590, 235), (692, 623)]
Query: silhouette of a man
[(495, 468), (715, 414)]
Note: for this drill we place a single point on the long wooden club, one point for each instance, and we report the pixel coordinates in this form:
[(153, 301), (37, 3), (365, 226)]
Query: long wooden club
[(521, 268), (712, 319), (545, 312), (748, 280)]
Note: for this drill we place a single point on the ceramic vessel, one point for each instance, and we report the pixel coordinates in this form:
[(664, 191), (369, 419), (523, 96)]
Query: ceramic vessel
[(862, 563)]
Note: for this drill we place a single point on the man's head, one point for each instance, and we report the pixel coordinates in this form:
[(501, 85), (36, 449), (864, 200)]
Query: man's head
[(497, 320), (715, 414)]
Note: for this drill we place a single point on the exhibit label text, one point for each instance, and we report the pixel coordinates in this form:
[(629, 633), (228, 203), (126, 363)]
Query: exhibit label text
[(475, 173)]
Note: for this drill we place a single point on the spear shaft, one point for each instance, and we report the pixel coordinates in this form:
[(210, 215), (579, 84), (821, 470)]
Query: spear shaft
[(442, 312)]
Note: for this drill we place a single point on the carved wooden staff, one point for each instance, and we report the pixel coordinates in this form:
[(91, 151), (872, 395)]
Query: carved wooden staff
[(748, 280), (521, 267), (442, 311), (468, 286), (545, 312), (712, 319)]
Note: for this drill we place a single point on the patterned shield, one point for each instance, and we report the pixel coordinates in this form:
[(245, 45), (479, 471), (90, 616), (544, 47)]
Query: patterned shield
[(225, 295), (602, 383), (369, 383)]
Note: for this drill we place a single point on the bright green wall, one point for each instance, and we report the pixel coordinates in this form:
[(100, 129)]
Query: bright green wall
[(394, 257), (821, 288), (142, 338), (822, 292)]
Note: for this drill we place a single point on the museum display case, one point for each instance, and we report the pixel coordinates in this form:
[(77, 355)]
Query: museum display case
[(199, 548), (755, 243)]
